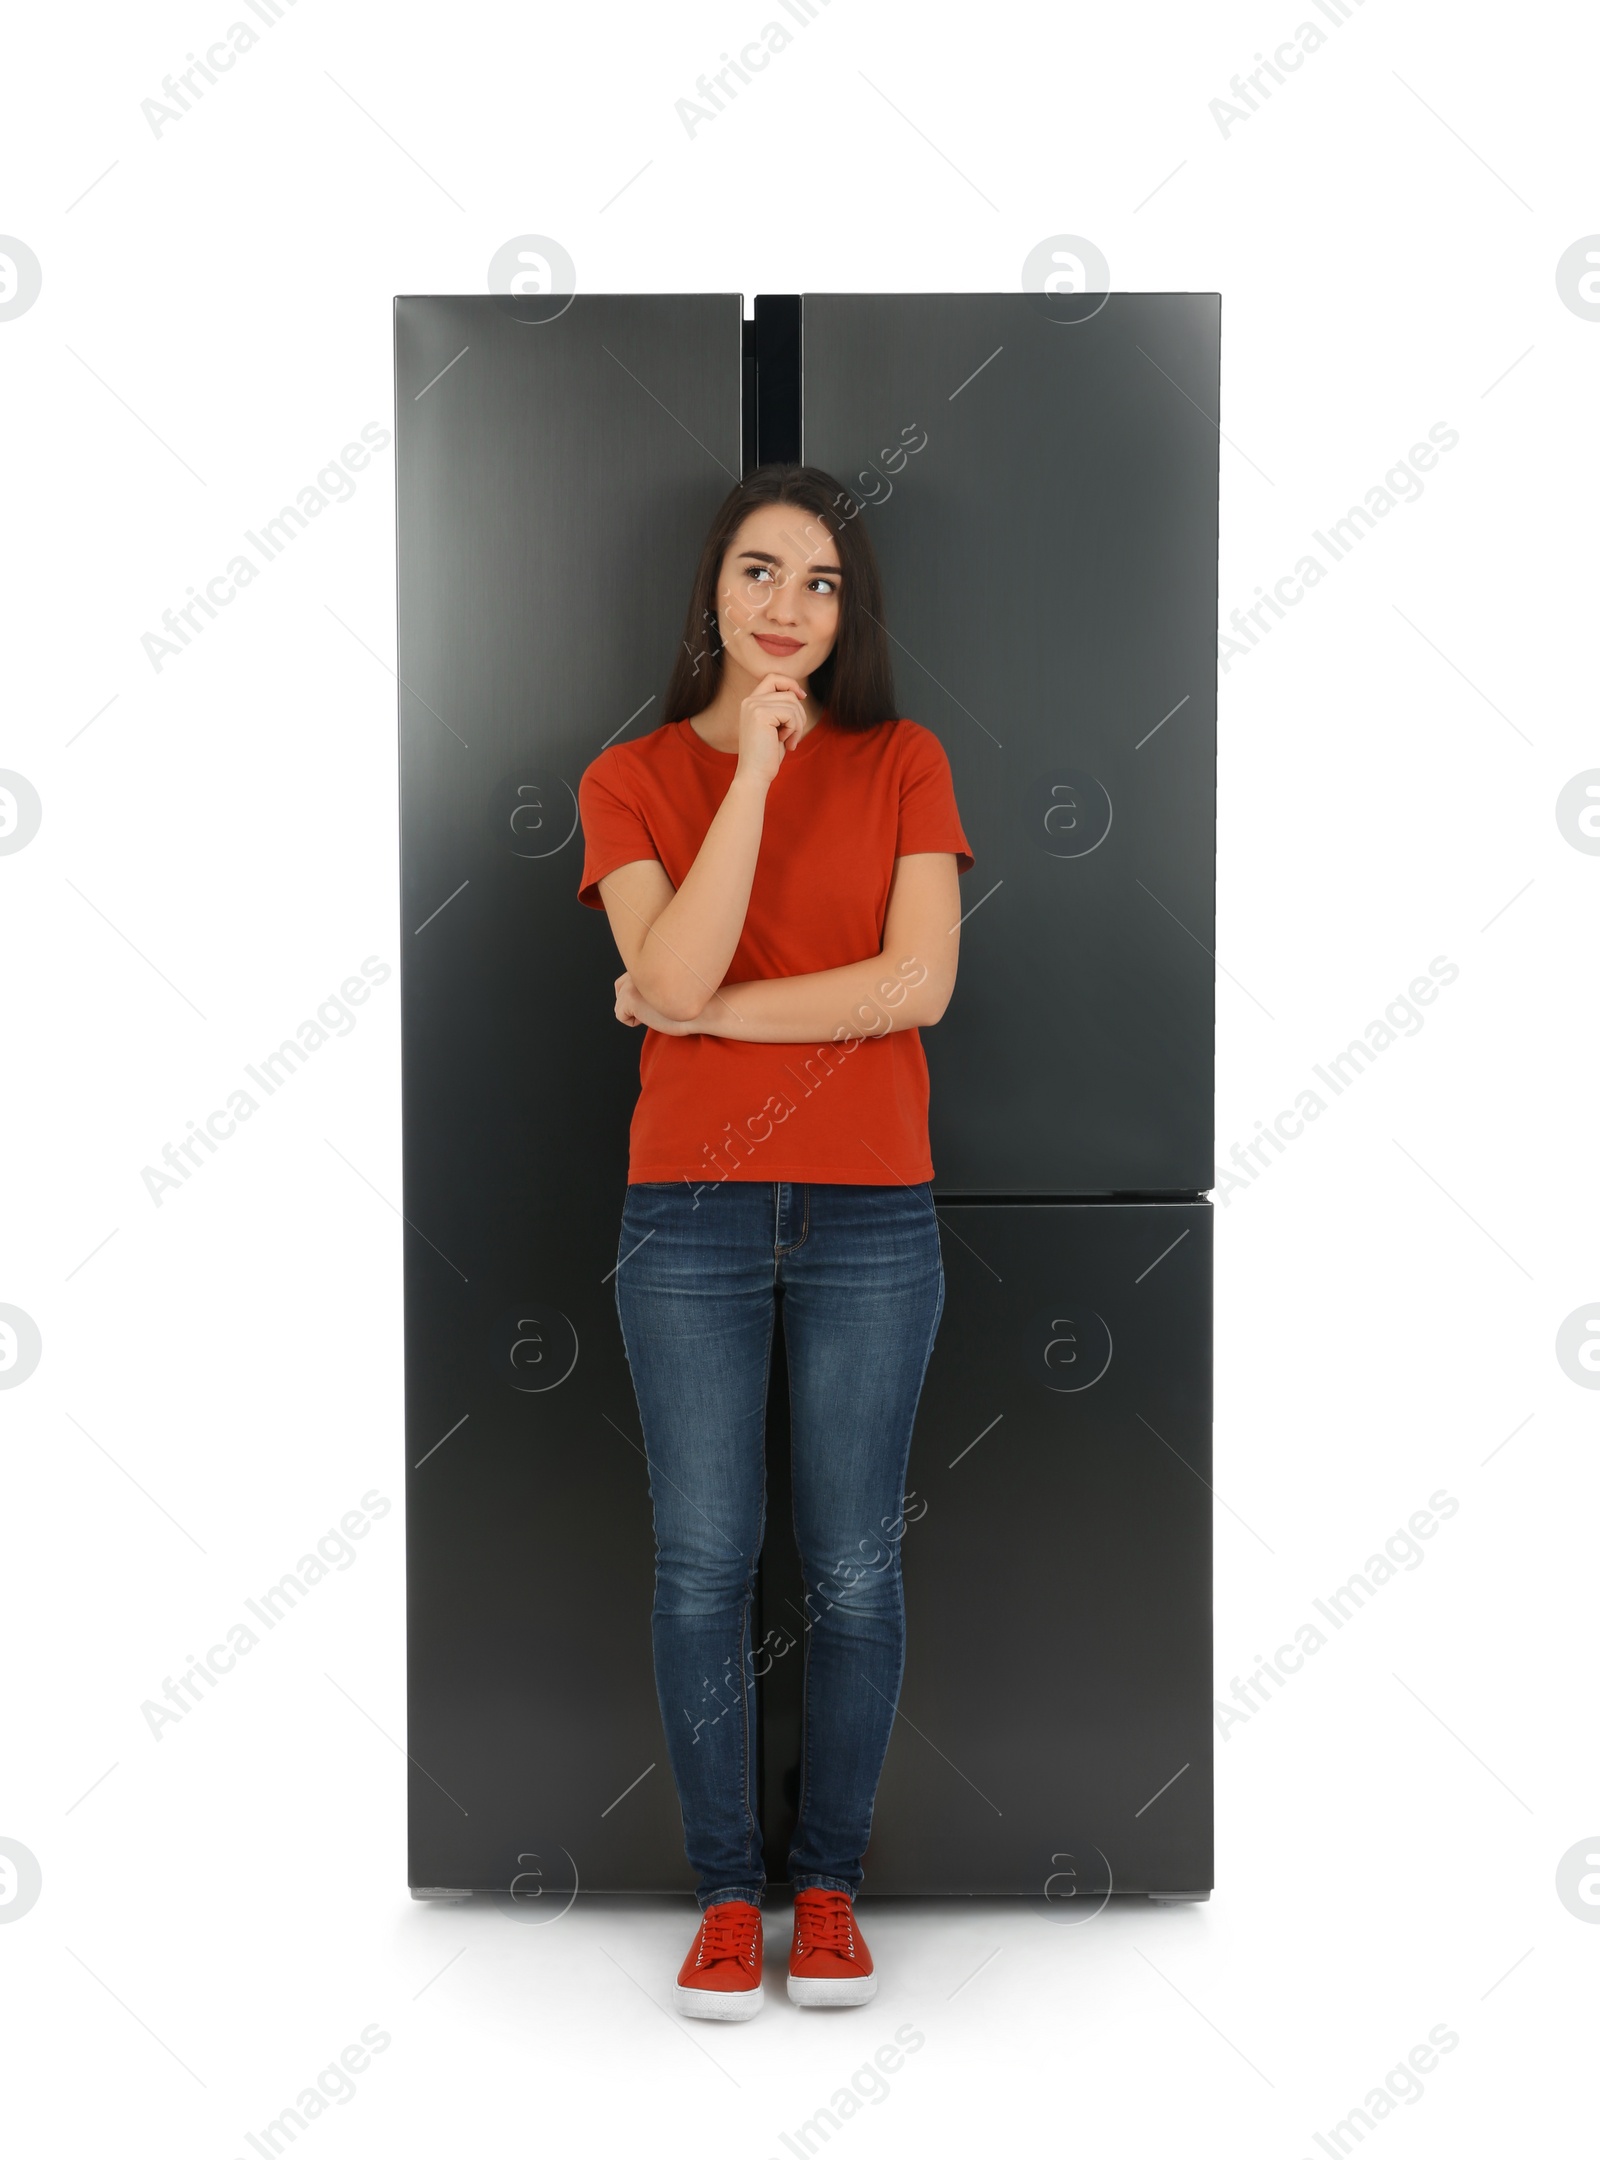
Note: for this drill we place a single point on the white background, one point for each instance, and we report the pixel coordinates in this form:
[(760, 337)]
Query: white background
[(223, 1911)]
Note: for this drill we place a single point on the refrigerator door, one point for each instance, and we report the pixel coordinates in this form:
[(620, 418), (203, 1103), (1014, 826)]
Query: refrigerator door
[(1039, 477), (558, 464), (1055, 1726)]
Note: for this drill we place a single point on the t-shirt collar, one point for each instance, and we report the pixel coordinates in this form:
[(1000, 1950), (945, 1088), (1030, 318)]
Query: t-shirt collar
[(702, 749)]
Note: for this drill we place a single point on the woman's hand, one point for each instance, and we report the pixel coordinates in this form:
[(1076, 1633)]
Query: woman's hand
[(772, 720), (634, 1010)]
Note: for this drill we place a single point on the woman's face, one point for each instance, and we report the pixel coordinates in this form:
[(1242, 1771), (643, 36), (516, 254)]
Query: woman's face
[(778, 593)]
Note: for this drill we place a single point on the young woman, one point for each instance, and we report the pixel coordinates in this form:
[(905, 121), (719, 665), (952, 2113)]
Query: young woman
[(778, 861)]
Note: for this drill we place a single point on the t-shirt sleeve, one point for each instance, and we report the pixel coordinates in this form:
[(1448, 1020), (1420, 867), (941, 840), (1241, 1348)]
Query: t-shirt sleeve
[(930, 823), (614, 828)]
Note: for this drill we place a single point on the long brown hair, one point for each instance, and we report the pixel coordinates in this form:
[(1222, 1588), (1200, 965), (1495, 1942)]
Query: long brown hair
[(856, 681)]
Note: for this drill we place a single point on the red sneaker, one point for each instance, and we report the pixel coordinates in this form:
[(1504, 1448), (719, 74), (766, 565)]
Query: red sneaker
[(721, 1976), (829, 1963)]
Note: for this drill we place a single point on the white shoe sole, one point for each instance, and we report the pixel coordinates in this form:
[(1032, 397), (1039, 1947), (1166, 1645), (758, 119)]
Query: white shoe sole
[(832, 1994), (717, 2002)]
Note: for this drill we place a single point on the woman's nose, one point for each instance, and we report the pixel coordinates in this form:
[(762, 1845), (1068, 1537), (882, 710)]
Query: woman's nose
[(784, 604)]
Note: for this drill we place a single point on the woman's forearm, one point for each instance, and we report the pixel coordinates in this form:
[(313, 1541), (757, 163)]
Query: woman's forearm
[(689, 945), (883, 995)]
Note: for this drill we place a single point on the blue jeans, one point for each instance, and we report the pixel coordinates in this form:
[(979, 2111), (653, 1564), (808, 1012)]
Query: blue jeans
[(861, 1277)]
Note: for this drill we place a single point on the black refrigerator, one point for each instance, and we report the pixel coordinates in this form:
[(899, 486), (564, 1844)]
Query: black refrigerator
[(1039, 474)]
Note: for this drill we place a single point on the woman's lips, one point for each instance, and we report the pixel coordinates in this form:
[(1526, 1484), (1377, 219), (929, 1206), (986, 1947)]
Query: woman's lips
[(779, 645)]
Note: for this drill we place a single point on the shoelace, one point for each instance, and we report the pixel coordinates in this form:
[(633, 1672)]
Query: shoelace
[(727, 1931), (825, 1925)]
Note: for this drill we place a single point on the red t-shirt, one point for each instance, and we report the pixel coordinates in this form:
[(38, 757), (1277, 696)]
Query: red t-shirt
[(839, 810)]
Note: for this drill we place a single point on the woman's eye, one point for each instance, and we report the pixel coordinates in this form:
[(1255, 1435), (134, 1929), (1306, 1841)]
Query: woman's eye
[(763, 572)]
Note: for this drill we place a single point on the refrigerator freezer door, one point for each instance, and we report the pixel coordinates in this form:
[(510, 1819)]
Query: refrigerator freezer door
[(1039, 478), (1054, 1735)]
